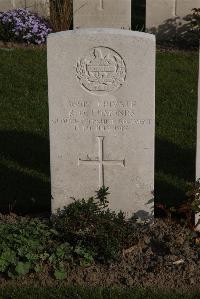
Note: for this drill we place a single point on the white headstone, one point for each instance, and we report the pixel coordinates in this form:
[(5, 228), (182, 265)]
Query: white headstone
[(41, 7), (102, 13), (5, 5), (157, 12), (101, 113), (167, 17), (198, 141)]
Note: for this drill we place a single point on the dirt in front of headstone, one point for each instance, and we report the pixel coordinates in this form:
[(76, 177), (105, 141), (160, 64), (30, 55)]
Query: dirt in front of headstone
[(165, 257)]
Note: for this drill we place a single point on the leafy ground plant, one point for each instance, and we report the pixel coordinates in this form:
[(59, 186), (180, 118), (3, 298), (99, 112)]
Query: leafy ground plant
[(23, 246), (26, 245), (93, 229), (187, 210), (83, 232), (115, 250)]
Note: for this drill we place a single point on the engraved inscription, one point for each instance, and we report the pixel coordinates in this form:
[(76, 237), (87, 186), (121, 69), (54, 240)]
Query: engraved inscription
[(101, 71), (101, 162), (104, 116)]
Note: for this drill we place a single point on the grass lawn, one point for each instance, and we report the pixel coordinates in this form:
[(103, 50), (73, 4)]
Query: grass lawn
[(83, 293), (24, 142)]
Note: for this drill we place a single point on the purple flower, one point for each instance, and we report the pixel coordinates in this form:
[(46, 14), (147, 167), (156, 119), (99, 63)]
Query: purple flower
[(23, 26)]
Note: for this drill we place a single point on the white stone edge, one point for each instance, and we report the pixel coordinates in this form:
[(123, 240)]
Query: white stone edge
[(197, 216), (111, 31)]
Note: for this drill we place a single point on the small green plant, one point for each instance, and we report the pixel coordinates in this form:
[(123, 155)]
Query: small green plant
[(84, 232), (61, 253), (23, 245), (187, 209), (94, 231), (193, 202), (27, 244), (85, 256), (101, 195)]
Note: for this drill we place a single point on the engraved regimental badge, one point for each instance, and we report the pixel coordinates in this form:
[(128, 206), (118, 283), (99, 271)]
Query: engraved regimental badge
[(103, 70)]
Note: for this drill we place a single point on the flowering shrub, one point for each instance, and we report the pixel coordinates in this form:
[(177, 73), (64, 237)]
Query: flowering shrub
[(21, 25)]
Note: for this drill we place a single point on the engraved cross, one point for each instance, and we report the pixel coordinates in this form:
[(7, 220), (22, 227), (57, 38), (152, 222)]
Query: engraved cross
[(101, 4), (101, 162)]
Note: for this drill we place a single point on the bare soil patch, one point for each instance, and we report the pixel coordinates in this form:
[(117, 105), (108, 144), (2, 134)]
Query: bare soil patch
[(166, 257)]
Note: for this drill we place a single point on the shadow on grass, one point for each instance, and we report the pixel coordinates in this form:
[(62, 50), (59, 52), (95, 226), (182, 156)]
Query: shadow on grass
[(24, 172), (172, 161), (175, 160)]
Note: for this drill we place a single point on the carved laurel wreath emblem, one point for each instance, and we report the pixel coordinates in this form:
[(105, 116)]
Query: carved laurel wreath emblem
[(103, 70)]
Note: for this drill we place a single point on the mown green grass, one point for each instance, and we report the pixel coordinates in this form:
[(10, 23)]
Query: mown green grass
[(24, 141), (176, 116), (88, 293)]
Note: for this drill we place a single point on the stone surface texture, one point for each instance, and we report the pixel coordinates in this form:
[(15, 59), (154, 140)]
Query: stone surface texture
[(6, 5), (102, 13), (168, 18), (101, 115), (39, 6)]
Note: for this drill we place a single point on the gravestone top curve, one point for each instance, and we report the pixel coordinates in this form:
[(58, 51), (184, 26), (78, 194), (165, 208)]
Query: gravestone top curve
[(103, 31)]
